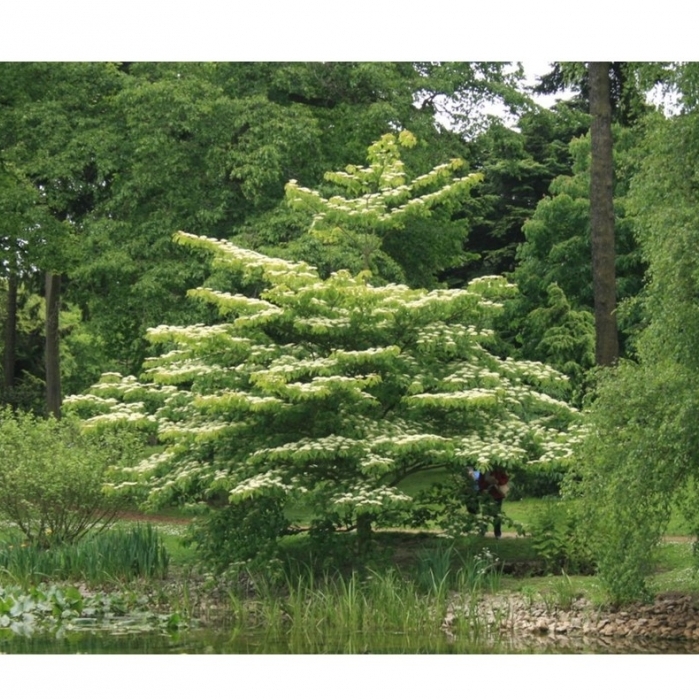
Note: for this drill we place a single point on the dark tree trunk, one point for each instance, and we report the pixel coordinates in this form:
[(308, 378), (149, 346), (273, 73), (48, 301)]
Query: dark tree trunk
[(10, 353), (602, 216), (53, 365)]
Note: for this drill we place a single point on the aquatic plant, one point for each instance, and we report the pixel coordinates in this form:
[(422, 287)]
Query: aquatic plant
[(115, 554)]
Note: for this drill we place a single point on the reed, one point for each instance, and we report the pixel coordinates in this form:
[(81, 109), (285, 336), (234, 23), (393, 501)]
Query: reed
[(322, 610), (113, 555)]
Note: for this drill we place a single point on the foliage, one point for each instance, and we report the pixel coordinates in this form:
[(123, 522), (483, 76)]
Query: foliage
[(39, 608), (52, 477), (640, 457), (518, 167), (329, 393), (453, 504), (538, 481), (379, 202), (551, 318), (444, 568), (114, 554), (556, 539), (130, 152), (629, 83), (630, 467), (58, 144), (245, 532), (374, 603), (562, 336), (82, 352), (59, 610)]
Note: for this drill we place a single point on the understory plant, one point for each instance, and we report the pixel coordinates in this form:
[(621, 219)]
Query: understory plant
[(373, 602), (245, 532), (557, 539), (442, 568), (64, 611), (53, 477)]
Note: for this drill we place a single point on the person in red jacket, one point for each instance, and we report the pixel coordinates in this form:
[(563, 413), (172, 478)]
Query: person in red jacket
[(495, 484)]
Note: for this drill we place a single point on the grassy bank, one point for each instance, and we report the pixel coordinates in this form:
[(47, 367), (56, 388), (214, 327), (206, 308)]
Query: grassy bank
[(406, 580)]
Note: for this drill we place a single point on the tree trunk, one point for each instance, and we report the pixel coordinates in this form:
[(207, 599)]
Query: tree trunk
[(602, 216), (10, 351), (53, 365)]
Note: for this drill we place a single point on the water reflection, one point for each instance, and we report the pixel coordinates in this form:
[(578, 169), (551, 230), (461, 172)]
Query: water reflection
[(245, 642)]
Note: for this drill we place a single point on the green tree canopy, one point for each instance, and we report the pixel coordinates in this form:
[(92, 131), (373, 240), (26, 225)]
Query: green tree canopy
[(518, 167), (640, 458), (557, 252), (55, 138), (211, 146)]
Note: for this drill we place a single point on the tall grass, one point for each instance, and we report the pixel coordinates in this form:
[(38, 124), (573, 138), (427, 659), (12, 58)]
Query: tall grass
[(116, 554), (442, 568), (324, 609)]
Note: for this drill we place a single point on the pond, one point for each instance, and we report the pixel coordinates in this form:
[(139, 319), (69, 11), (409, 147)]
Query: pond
[(235, 641)]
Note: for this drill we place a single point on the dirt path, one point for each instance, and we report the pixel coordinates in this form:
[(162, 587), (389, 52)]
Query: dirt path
[(135, 516)]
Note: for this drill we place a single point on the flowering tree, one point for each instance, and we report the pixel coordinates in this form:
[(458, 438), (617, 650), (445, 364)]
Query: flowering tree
[(328, 393), (370, 217)]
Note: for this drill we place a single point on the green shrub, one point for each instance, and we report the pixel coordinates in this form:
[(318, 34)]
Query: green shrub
[(556, 539), (242, 532), (434, 568), (636, 463), (52, 477)]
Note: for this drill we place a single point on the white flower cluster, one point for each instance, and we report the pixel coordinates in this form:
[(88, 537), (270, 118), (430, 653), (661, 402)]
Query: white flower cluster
[(180, 372), (487, 452), (308, 450), (523, 396), (191, 334), (243, 258), (234, 400), (456, 399), (364, 498), (392, 200), (469, 374), (440, 337), (150, 463), (406, 442), (359, 357), (524, 369), (374, 464), (271, 480), (126, 413), (321, 326), (91, 401)]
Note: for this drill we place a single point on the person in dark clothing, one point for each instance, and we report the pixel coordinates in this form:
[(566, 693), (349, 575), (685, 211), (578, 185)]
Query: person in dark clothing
[(495, 484)]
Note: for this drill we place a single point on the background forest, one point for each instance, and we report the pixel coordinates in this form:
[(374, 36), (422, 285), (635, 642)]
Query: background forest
[(397, 174)]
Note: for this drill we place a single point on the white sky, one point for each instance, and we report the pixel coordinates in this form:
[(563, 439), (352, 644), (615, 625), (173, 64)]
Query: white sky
[(505, 30), (535, 32)]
